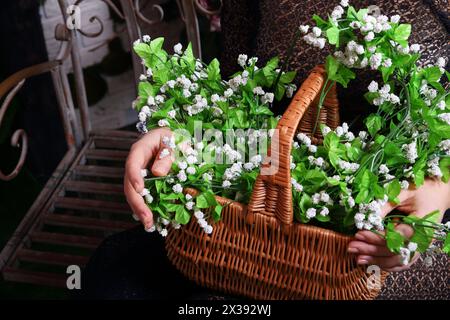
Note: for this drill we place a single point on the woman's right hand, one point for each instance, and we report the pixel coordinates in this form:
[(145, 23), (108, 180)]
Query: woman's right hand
[(142, 153)]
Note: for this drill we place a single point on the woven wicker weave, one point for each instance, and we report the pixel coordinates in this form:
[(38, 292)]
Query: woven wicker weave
[(257, 250)]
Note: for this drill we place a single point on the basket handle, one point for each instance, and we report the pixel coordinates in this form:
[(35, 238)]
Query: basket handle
[(272, 193)]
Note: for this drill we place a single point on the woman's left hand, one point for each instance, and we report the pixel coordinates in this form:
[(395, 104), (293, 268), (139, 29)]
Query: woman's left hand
[(371, 249)]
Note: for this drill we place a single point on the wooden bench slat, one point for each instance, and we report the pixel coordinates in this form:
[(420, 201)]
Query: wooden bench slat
[(99, 171), (34, 277), (66, 239), (87, 223), (104, 154), (92, 205), (51, 258), (94, 187)]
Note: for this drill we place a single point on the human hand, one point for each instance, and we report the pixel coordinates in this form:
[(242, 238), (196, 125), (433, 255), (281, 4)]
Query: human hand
[(371, 249), (141, 154)]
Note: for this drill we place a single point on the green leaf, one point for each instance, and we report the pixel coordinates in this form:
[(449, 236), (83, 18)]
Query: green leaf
[(446, 247), (393, 190), (288, 77), (444, 165), (217, 212), (201, 201), (323, 218), (142, 50), (333, 36), (319, 21), (213, 70), (394, 239), (373, 124), (182, 216), (331, 66), (402, 32)]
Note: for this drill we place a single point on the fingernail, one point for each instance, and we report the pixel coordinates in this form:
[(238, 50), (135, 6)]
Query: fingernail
[(362, 261), (135, 217), (352, 250)]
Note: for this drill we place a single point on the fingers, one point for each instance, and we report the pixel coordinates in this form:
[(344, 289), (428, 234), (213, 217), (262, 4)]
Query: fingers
[(364, 248), (370, 237), (383, 262), (163, 163), (138, 205), (403, 198)]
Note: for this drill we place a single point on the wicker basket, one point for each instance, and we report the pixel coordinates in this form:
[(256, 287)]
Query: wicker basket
[(258, 251)]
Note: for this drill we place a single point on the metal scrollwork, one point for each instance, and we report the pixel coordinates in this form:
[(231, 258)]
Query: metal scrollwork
[(18, 139), (141, 17)]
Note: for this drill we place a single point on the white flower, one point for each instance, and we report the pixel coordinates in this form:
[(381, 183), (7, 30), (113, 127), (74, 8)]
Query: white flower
[(228, 93), (182, 176), (202, 222), (207, 177), (172, 114), (403, 50), (142, 116), (142, 77), (375, 61), (145, 192), (440, 62), (351, 202), (394, 99), (344, 3), (226, 184), (149, 72), (441, 105), (304, 28), (242, 60), (383, 169), (412, 246), (151, 101), (373, 87), (177, 188), (198, 214), (320, 43), (252, 60), (144, 173), (316, 31), (405, 254), (178, 48), (164, 153), (324, 212), (369, 36), (355, 25), (415, 48), (146, 38), (268, 97), (190, 205), (163, 123), (215, 98), (208, 229), (410, 151), (404, 184), (387, 63), (290, 89), (163, 232), (190, 170), (258, 91), (395, 18), (310, 213), (312, 148)]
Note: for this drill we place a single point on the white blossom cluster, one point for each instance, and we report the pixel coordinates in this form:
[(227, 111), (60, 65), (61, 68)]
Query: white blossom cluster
[(407, 252), (444, 146), (369, 215), (433, 168), (384, 94), (410, 151)]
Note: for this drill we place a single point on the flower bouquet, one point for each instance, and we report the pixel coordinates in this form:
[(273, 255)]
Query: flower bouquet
[(332, 180)]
